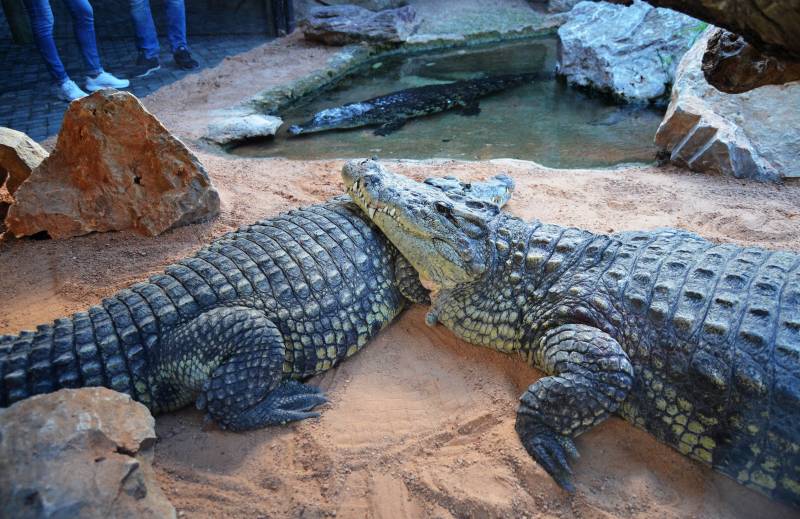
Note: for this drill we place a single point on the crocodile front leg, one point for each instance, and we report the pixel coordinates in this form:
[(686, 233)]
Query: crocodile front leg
[(408, 282), (590, 376), (234, 356)]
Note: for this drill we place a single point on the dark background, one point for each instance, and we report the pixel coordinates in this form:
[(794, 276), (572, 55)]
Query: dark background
[(203, 18)]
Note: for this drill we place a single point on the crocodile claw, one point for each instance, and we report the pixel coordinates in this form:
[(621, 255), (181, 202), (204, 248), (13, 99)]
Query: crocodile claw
[(550, 450), (292, 397), (289, 402)]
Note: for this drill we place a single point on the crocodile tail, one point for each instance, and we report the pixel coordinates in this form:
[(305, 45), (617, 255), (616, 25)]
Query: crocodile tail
[(92, 348)]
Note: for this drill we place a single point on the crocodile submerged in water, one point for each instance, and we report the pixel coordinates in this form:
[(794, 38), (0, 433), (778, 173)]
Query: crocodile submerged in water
[(235, 326), (698, 343), (391, 111)]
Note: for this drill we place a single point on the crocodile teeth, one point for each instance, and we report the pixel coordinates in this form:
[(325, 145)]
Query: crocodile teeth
[(372, 212)]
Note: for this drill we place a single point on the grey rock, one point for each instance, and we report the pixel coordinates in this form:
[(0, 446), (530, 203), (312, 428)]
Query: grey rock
[(372, 5), (770, 25), (82, 453), (747, 135), (343, 24), (628, 52), (227, 128), (561, 6)]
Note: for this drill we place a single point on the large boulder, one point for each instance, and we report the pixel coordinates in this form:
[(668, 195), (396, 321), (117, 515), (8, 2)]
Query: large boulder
[(627, 52), (753, 134), (19, 155), (735, 66), (82, 453), (343, 24), (772, 26), (114, 167)]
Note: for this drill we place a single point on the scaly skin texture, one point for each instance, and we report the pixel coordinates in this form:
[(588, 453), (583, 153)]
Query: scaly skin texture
[(696, 342), (391, 111), (237, 325)]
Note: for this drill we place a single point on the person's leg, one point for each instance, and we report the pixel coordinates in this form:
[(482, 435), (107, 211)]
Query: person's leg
[(41, 17), (176, 27), (176, 24), (83, 25), (146, 36)]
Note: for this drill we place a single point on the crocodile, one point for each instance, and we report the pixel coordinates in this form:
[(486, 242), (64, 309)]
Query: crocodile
[(391, 111), (696, 342), (238, 326)]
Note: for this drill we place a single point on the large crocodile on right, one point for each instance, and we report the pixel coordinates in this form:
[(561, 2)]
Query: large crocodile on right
[(696, 342)]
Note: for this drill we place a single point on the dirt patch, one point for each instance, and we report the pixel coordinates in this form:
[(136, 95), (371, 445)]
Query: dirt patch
[(420, 423)]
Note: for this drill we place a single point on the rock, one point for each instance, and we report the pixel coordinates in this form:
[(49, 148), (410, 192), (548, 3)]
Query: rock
[(230, 127), (81, 453), (772, 26), (561, 6), (343, 24), (734, 66), (114, 167), (629, 53), (747, 135), (372, 5), (19, 155)]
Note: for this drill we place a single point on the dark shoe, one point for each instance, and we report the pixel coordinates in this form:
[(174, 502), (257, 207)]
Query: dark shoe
[(145, 66), (184, 60)]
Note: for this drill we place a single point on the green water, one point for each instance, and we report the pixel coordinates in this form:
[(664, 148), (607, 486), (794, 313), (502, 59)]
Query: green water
[(544, 121)]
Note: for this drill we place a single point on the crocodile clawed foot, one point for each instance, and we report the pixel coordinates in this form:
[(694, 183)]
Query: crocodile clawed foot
[(289, 402), (550, 449), (295, 396)]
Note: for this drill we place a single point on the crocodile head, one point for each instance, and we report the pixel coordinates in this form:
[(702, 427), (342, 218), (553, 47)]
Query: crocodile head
[(339, 117), (447, 239)]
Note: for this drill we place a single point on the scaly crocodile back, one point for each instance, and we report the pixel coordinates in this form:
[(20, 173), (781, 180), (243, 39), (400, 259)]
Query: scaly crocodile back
[(323, 274)]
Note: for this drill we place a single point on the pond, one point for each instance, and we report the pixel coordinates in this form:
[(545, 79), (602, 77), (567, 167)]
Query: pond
[(543, 120)]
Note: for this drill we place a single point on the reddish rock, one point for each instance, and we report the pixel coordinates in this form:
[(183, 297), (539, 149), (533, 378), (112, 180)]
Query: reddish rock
[(734, 66), (114, 167), (19, 155), (81, 453)]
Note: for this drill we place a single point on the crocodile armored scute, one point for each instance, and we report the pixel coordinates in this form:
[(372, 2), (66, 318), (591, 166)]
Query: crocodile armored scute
[(694, 341), (237, 326)]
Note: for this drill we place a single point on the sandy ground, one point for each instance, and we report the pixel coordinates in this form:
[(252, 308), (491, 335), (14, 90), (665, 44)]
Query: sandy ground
[(420, 424)]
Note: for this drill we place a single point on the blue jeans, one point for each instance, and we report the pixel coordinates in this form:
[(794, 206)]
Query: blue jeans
[(82, 21), (146, 29)]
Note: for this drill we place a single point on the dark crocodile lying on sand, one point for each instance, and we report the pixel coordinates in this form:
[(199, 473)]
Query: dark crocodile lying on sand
[(236, 325), (391, 111), (696, 342)]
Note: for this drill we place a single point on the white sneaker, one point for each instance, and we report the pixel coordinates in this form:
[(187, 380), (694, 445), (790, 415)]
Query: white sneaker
[(105, 80), (69, 91)]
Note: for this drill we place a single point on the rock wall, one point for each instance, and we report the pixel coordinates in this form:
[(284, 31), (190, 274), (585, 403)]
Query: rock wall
[(755, 134), (771, 25)]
